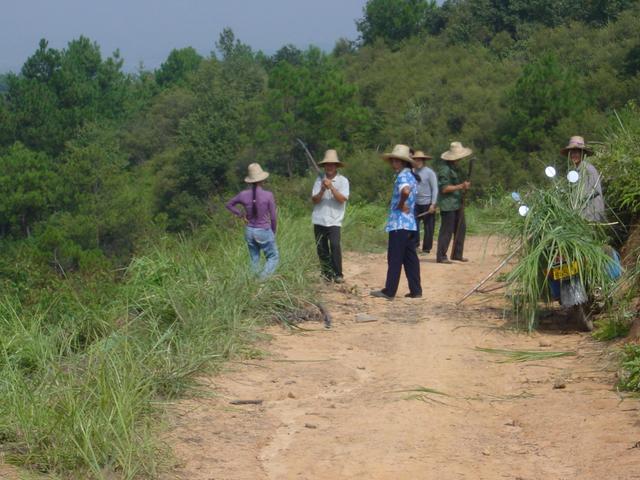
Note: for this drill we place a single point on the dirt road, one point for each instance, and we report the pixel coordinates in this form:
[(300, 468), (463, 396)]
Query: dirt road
[(337, 404)]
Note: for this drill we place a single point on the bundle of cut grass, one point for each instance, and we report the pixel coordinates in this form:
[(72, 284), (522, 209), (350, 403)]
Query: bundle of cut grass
[(549, 230)]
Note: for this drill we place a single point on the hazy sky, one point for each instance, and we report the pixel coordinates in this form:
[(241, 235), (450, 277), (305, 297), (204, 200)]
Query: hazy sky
[(147, 30)]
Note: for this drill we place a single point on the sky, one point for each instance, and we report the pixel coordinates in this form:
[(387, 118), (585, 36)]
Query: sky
[(147, 30)]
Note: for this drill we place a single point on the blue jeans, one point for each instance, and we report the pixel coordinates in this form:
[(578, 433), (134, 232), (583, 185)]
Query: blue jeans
[(262, 239)]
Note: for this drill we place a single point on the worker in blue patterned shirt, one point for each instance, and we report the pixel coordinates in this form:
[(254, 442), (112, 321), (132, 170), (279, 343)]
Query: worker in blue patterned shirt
[(402, 227)]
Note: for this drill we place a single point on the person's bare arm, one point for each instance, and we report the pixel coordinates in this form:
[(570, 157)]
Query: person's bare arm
[(460, 186), (317, 198), (328, 185), (337, 195), (404, 194)]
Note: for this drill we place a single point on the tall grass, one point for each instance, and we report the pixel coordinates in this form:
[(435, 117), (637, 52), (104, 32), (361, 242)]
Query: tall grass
[(619, 162), (89, 404), (363, 228)]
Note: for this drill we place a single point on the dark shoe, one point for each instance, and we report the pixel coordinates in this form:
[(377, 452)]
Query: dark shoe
[(339, 279), (461, 259), (413, 295), (445, 260), (426, 251), (380, 294)]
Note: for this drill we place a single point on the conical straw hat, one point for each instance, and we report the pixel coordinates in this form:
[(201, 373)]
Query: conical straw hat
[(331, 156), (255, 174), (420, 155), (400, 152), (576, 143), (456, 152)]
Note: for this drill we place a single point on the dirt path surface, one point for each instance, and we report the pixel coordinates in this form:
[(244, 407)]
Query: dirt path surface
[(334, 407)]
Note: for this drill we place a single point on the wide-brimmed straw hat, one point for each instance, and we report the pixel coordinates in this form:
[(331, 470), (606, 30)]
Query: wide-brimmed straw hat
[(400, 152), (331, 157), (420, 155), (255, 174), (456, 152), (576, 143)]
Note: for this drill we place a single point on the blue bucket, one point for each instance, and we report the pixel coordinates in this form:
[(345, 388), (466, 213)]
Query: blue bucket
[(614, 267)]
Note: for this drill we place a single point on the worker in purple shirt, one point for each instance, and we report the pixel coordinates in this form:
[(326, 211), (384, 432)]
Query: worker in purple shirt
[(260, 216)]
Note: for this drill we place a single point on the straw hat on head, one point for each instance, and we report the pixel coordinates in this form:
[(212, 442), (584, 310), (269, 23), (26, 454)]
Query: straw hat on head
[(400, 152), (420, 155), (456, 152), (255, 174), (331, 156), (577, 143)]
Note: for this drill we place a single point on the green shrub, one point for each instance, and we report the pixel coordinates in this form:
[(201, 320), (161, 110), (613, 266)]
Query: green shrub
[(630, 376)]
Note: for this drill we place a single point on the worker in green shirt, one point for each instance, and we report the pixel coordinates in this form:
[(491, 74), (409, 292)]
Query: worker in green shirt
[(452, 186)]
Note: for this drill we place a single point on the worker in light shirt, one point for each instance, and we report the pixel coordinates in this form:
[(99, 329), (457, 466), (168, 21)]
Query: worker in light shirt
[(329, 196)]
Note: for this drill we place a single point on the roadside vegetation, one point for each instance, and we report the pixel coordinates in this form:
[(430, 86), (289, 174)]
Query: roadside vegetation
[(87, 367), (122, 277)]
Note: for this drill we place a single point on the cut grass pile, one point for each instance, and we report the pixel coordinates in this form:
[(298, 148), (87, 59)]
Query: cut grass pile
[(553, 232)]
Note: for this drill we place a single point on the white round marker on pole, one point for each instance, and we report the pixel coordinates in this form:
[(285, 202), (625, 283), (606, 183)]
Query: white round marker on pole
[(573, 176)]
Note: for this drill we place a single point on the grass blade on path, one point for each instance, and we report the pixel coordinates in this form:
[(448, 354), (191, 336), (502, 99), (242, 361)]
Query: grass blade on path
[(524, 355)]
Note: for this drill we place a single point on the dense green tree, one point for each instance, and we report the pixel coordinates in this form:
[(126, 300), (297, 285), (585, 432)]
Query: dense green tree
[(207, 143), (240, 69), (105, 205), (156, 128), (600, 12), (43, 64), (545, 94), (632, 61), (58, 91), (397, 20), (179, 64), (314, 101), (7, 126), (343, 46), (289, 53), (481, 20), (28, 182), (429, 94)]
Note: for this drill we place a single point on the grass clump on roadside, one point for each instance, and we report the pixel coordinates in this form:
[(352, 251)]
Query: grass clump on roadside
[(90, 404), (630, 368), (614, 325)]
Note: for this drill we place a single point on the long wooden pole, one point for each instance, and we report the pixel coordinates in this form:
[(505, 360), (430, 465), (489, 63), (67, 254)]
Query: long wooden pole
[(490, 276)]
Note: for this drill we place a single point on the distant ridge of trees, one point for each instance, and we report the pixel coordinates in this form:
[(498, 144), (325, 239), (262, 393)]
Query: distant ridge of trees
[(478, 20)]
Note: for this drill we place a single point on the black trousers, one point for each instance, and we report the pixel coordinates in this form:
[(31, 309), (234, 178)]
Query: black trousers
[(401, 251), (429, 222), (329, 250), (452, 225)]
